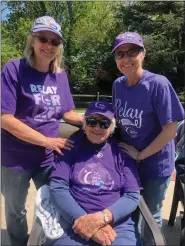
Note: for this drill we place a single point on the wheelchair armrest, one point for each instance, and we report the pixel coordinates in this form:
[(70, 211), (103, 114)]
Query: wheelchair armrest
[(152, 224)]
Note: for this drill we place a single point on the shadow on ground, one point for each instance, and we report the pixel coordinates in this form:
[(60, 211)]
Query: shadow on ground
[(172, 233), (4, 238)]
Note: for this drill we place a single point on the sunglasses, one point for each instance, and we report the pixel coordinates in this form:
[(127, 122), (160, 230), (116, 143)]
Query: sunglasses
[(43, 40), (130, 53), (92, 122)]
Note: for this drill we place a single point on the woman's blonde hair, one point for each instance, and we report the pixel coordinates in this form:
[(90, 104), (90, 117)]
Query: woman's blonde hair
[(55, 65)]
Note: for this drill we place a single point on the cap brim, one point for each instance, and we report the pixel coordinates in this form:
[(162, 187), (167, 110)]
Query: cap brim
[(127, 42), (103, 114), (50, 30)]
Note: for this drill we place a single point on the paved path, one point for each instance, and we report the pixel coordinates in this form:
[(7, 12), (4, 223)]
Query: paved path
[(171, 233)]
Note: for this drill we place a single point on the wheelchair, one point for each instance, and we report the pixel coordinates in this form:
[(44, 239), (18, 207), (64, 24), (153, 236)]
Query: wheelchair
[(37, 234), (179, 188)]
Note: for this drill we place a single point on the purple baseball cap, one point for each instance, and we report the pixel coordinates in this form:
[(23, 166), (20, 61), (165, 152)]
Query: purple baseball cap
[(100, 107), (47, 23), (128, 38)]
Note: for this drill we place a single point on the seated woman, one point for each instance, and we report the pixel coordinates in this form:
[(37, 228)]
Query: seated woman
[(95, 186)]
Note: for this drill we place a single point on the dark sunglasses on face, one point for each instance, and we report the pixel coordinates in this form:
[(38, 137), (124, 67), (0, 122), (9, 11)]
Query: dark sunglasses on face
[(104, 123), (43, 40), (129, 53)]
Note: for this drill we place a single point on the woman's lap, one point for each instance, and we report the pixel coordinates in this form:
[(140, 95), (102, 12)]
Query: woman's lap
[(125, 237)]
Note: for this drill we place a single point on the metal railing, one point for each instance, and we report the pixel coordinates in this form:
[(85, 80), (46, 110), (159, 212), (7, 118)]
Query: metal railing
[(97, 96)]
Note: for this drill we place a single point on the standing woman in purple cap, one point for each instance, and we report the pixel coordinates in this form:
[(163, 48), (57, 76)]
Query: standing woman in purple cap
[(147, 110), (35, 96)]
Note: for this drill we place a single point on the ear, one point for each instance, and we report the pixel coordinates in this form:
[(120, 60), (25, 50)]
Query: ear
[(143, 54)]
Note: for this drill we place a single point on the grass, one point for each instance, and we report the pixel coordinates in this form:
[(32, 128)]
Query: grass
[(80, 110)]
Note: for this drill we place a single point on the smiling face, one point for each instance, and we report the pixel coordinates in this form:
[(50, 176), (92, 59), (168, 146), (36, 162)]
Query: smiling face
[(46, 51), (129, 65), (96, 134)]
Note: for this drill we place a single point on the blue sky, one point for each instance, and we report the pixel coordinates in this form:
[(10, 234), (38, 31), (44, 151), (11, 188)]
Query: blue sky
[(5, 12)]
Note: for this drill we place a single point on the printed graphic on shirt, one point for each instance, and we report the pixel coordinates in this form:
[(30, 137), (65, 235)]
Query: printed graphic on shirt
[(96, 175), (47, 96), (130, 119)]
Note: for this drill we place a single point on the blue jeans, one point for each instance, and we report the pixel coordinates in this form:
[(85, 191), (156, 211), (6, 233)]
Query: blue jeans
[(154, 193), (14, 187)]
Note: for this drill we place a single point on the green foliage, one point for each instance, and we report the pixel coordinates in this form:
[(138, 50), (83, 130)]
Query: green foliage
[(89, 29)]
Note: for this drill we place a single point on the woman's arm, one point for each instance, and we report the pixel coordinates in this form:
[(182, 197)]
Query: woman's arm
[(167, 134), (73, 118), (123, 207), (27, 134), (69, 209)]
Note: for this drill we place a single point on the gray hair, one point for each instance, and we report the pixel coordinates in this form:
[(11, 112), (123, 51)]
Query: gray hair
[(29, 56)]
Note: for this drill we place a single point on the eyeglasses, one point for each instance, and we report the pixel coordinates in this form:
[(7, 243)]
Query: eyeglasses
[(104, 123), (130, 53), (43, 40)]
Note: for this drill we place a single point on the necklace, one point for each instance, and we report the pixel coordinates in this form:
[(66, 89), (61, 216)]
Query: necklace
[(99, 153)]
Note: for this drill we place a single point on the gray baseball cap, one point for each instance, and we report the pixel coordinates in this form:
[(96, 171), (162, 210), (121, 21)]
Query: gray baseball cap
[(47, 23)]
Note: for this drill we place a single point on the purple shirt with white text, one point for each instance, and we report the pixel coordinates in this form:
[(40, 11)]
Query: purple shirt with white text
[(142, 110), (37, 99)]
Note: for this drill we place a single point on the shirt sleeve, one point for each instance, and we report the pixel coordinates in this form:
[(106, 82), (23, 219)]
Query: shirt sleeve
[(167, 105), (124, 206), (62, 167), (131, 181), (68, 103), (59, 181), (68, 208), (9, 88), (116, 86), (113, 94)]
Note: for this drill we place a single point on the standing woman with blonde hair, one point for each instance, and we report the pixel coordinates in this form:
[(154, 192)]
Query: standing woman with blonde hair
[(35, 96)]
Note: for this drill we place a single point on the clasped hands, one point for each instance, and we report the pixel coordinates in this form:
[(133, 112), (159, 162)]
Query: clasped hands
[(92, 226)]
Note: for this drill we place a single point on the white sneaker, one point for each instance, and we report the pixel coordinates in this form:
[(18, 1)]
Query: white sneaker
[(48, 213)]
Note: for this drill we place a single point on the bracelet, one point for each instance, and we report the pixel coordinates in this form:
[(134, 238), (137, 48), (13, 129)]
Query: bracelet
[(106, 218)]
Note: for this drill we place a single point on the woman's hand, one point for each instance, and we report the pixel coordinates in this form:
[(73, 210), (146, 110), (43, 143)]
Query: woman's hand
[(88, 225), (105, 235), (58, 143), (130, 150)]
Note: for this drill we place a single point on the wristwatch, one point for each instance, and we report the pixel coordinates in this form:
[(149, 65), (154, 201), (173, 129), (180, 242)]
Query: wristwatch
[(106, 218)]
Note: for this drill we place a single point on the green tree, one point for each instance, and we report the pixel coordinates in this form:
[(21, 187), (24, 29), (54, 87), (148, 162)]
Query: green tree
[(89, 29)]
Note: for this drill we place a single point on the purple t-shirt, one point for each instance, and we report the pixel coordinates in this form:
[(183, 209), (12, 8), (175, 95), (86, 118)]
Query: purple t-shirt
[(37, 99), (98, 175), (141, 111)]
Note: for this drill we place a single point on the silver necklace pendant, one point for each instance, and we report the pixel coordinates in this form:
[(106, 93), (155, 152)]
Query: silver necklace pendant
[(99, 154)]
